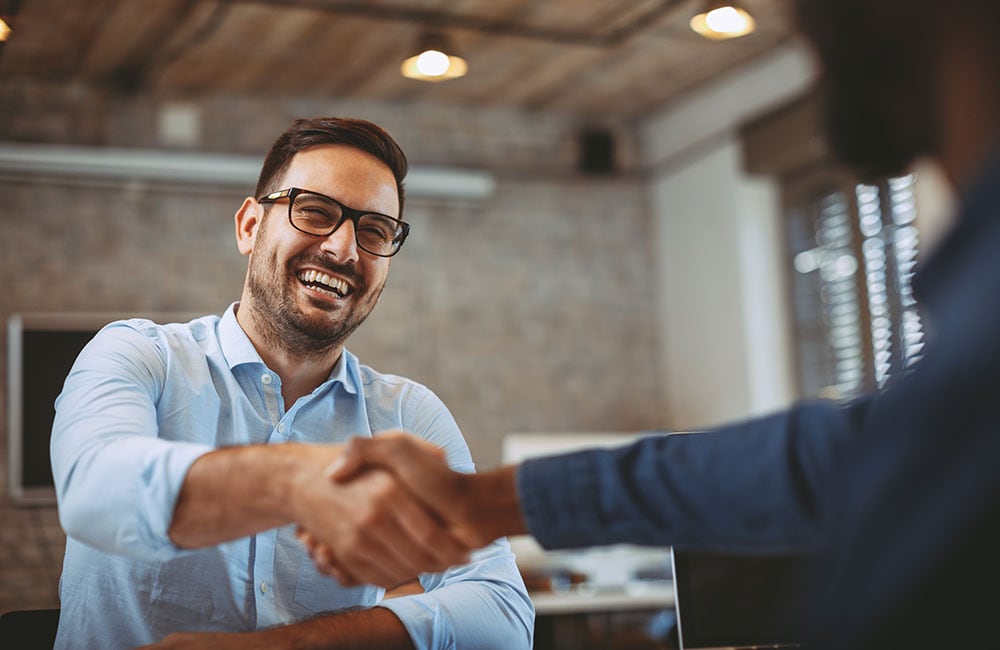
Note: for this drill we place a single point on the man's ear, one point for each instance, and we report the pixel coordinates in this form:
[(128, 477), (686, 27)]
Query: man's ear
[(248, 218)]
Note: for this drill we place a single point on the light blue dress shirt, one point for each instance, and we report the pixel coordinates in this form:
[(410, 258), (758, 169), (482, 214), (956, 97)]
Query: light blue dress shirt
[(141, 403)]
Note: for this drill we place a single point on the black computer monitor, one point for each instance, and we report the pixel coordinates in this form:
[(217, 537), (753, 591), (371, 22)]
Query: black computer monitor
[(740, 601), (41, 349)]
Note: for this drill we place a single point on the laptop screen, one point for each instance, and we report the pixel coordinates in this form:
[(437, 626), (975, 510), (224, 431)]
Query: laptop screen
[(739, 601)]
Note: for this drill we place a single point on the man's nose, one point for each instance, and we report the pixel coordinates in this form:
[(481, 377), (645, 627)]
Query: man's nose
[(342, 243)]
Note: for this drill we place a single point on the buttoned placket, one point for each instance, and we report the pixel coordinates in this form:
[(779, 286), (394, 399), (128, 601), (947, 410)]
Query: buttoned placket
[(266, 541), (280, 420), (268, 588)]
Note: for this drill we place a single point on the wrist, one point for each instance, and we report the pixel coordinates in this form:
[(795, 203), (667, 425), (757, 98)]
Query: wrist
[(305, 469), (490, 503)]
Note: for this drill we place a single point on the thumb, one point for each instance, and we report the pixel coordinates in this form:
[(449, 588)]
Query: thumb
[(419, 465), (350, 462)]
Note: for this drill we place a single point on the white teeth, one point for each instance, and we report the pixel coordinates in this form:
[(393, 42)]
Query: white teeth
[(335, 284)]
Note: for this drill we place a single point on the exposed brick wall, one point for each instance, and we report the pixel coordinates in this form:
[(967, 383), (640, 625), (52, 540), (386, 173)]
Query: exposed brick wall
[(513, 141)]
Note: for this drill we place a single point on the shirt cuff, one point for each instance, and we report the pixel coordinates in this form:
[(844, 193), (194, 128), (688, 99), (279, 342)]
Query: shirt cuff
[(560, 499), (159, 484), (424, 621)]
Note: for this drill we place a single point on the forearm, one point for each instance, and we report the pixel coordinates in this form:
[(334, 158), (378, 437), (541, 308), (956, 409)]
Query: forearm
[(669, 490), (238, 491), (367, 629)]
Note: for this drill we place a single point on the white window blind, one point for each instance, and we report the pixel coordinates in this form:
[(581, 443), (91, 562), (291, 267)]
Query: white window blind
[(853, 252)]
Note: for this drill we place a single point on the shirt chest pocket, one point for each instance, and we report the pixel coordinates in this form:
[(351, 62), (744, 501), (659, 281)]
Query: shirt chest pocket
[(319, 593), (196, 590)]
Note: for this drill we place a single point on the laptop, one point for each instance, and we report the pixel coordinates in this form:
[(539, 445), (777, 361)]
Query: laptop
[(739, 601)]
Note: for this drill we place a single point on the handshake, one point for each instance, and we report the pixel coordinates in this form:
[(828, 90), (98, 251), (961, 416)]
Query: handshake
[(389, 508)]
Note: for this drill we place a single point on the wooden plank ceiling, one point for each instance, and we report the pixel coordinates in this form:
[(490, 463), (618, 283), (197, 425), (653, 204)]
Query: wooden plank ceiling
[(619, 59)]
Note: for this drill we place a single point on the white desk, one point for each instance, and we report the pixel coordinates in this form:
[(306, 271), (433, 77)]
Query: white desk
[(635, 596)]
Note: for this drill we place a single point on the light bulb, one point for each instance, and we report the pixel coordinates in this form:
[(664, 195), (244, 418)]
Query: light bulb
[(726, 20), (432, 63), (722, 22), (436, 61)]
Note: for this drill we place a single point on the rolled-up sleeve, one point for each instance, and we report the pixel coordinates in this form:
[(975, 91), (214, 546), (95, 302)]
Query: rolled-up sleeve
[(482, 604), (116, 481)]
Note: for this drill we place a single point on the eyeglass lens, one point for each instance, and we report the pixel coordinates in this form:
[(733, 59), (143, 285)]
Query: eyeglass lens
[(317, 215)]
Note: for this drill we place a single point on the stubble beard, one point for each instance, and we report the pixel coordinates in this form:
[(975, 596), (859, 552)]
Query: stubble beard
[(283, 325)]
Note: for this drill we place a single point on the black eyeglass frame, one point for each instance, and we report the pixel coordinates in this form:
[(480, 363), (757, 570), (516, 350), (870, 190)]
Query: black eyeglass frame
[(346, 213)]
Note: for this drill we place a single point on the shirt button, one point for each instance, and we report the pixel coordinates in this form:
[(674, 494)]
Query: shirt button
[(281, 427), (265, 379), (263, 587)]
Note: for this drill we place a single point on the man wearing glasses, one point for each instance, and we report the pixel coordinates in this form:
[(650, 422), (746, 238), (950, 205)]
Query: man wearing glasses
[(186, 455)]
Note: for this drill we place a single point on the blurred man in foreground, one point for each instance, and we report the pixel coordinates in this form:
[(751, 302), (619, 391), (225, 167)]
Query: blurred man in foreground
[(899, 491)]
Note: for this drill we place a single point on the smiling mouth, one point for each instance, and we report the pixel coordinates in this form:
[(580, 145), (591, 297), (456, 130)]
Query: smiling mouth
[(325, 283)]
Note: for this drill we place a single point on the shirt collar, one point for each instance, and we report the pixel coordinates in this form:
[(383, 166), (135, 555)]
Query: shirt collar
[(239, 350), (235, 343), (346, 372)]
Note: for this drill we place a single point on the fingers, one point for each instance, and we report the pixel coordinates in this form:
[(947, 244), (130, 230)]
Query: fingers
[(411, 541), (348, 465), (394, 513), (305, 538), (350, 462), (378, 565), (387, 450), (421, 466), (374, 531), (431, 545), (323, 559)]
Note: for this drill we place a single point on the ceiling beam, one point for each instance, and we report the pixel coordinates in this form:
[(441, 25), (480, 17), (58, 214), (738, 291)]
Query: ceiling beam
[(438, 19)]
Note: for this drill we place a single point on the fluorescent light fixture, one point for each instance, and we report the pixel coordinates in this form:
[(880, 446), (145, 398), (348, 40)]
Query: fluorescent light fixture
[(208, 169)]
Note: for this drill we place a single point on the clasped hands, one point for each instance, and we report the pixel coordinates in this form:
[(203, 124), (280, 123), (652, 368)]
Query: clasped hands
[(394, 509)]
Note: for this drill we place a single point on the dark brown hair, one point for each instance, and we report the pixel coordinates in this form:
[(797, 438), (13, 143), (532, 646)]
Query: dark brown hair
[(312, 132)]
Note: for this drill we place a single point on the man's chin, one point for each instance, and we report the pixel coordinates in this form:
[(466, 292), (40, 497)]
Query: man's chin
[(318, 321), (324, 322), (872, 166), (311, 337)]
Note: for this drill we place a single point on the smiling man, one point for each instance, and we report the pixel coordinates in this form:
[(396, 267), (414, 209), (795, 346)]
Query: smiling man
[(185, 455)]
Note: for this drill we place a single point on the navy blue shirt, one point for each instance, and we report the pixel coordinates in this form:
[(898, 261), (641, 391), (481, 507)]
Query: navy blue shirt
[(898, 492)]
